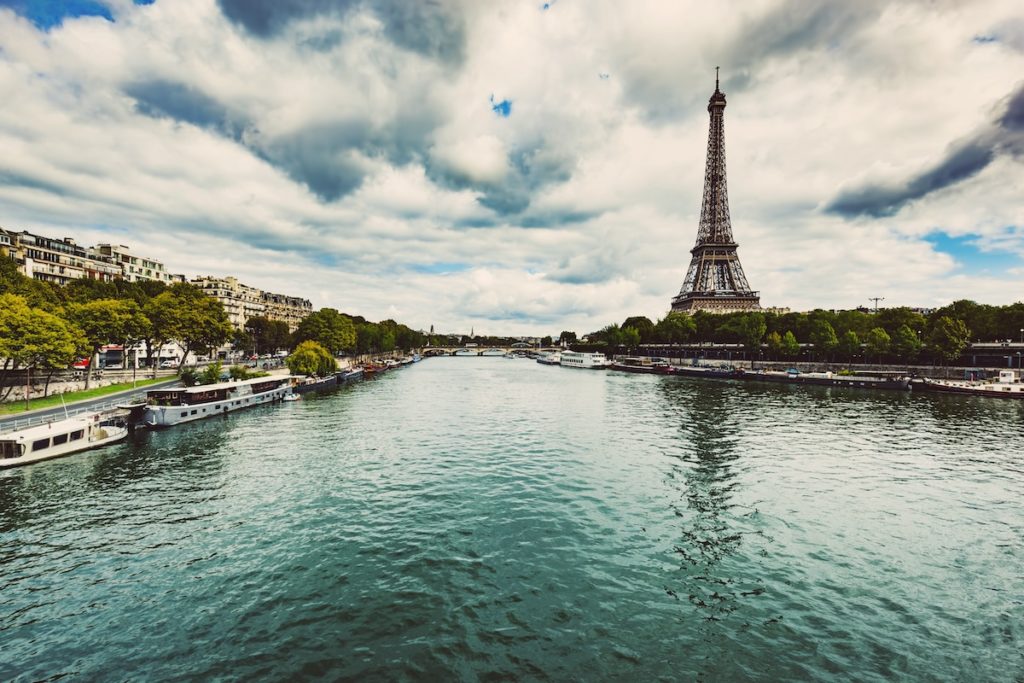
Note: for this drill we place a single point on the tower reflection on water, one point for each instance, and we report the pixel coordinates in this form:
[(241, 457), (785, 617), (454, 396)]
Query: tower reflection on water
[(720, 540)]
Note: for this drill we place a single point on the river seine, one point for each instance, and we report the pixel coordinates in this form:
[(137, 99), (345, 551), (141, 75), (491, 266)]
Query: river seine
[(487, 519)]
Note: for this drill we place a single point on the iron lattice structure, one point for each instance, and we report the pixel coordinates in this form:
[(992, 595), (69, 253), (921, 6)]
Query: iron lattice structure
[(715, 281)]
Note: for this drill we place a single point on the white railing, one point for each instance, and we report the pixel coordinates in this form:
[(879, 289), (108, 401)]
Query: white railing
[(9, 425)]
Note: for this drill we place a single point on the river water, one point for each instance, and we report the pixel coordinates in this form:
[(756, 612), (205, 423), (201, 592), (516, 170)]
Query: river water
[(485, 518)]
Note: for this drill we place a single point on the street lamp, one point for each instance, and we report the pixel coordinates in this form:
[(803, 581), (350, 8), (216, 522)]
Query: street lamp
[(1022, 336)]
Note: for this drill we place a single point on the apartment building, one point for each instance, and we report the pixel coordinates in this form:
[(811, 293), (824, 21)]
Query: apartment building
[(290, 309), (136, 268), (240, 301), (56, 260)]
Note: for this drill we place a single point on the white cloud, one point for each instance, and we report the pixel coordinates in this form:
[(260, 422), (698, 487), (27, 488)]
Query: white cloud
[(342, 158)]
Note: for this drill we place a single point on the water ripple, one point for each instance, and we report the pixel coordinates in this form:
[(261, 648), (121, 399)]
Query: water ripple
[(496, 519)]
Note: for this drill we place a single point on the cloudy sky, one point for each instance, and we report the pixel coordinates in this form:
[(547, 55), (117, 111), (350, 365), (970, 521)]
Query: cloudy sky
[(524, 166)]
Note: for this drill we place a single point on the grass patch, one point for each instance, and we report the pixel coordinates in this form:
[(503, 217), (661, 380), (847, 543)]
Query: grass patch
[(53, 400)]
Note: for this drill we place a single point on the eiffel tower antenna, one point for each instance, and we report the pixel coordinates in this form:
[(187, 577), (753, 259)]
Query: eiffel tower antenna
[(715, 281)]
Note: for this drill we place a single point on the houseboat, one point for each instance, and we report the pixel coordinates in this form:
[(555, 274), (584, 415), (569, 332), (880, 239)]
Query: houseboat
[(61, 437), (168, 407), (1007, 385), (639, 365), (550, 358), (587, 361)]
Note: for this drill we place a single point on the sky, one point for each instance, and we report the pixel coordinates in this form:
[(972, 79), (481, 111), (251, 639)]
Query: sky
[(524, 167)]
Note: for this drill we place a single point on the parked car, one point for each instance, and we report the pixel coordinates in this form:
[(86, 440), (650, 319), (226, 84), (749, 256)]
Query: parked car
[(81, 364), (168, 364)]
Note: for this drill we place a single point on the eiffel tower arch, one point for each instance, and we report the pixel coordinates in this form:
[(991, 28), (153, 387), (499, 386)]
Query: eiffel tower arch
[(715, 281)]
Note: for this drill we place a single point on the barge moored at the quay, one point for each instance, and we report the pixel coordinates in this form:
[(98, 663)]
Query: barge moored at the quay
[(1007, 385), (61, 437), (168, 407)]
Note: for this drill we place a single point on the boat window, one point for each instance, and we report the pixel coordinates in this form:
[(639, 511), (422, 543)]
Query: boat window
[(77, 434), (40, 445), (184, 413), (59, 439), (193, 412), (9, 450)]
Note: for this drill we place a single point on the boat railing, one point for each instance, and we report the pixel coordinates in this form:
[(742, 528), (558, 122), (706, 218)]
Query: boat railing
[(36, 420)]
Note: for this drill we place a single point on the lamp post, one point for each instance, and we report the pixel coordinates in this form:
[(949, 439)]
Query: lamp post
[(1022, 336)]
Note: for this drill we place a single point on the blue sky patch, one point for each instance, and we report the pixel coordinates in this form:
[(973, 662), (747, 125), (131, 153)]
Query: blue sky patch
[(985, 39), (970, 256), (439, 267), (46, 14), (503, 108)]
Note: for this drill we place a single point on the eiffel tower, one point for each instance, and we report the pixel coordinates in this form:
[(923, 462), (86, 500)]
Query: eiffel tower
[(715, 281)]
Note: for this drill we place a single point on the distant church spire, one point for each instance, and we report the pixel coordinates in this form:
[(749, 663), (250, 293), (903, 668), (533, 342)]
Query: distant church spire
[(715, 280)]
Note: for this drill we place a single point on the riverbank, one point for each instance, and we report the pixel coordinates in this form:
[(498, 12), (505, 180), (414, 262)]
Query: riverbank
[(71, 397)]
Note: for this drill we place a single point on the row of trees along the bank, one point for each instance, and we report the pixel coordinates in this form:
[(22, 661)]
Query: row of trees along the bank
[(44, 327), (891, 335)]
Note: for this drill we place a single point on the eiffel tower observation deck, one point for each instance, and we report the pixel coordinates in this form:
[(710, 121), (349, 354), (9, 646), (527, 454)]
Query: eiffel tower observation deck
[(715, 281)]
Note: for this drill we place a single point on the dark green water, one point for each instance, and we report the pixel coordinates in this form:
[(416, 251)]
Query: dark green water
[(476, 518)]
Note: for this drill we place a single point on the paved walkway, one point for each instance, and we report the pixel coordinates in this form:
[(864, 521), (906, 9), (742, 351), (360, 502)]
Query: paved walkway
[(20, 420)]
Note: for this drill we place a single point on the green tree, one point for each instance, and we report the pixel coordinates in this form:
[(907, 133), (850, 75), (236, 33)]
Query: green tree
[(892, 319), (198, 321), (332, 330), (877, 343), (311, 358), (849, 345), (675, 328), (949, 337), (163, 312), (823, 336), (631, 337), (906, 344), (547, 341), (107, 321), (774, 342), (790, 346), (752, 328), (34, 338), (211, 373), (567, 338), (643, 326)]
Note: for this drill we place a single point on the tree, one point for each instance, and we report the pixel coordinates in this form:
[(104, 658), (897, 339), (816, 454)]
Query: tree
[(906, 344), (31, 337), (332, 330), (752, 328), (949, 338), (567, 338), (201, 325), (823, 336), (643, 326), (675, 328), (774, 342), (630, 337), (311, 358), (547, 341), (790, 346), (107, 321), (162, 311), (849, 345), (877, 343)]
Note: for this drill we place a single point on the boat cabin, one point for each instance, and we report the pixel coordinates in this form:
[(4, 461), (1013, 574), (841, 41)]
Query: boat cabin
[(212, 393)]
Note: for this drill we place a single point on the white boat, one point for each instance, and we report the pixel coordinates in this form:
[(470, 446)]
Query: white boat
[(292, 397), (550, 358), (492, 352), (581, 359), (1008, 385), (168, 407), (466, 352), (61, 437)]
